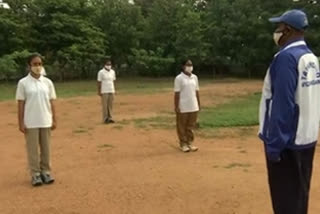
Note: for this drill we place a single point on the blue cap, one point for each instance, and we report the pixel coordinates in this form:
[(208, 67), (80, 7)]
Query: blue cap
[(295, 18)]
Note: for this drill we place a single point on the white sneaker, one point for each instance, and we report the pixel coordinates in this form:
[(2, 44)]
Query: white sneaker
[(185, 148), (193, 148)]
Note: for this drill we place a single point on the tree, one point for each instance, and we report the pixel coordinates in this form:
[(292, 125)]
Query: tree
[(65, 37), (190, 41), (12, 66), (14, 33), (122, 24)]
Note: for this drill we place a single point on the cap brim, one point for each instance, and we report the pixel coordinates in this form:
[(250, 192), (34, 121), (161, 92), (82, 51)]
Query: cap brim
[(275, 20)]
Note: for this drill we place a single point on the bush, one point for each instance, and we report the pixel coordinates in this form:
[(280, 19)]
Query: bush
[(12, 66), (150, 63)]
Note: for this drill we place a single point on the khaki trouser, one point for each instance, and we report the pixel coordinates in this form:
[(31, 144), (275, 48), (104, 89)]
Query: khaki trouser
[(107, 101), (38, 138), (185, 123)]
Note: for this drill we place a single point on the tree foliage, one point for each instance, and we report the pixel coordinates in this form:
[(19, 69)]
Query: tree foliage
[(147, 37)]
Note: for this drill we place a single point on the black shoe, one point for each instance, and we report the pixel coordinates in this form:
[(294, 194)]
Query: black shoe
[(111, 121), (36, 180), (107, 121), (46, 178)]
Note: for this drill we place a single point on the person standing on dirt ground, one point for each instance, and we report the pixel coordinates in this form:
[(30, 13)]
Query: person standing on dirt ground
[(290, 115), (187, 105), (37, 117), (106, 90)]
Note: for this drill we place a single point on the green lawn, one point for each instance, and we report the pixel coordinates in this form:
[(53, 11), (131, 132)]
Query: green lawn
[(7, 91), (87, 88), (242, 111)]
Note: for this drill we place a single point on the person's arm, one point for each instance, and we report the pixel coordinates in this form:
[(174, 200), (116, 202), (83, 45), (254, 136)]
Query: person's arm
[(54, 118), (176, 102), (114, 80), (198, 99), (177, 89), (53, 97), (21, 104), (197, 93), (99, 88), (20, 97), (282, 121), (99, 80)]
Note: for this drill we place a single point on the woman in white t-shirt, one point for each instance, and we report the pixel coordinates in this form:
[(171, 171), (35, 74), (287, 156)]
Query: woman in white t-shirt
[(187, 105), (106, 90), (36, 113)]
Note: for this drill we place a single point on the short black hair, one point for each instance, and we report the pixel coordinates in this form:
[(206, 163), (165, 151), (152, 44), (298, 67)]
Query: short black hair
[(32, 56), (184, 62), (107, 60)]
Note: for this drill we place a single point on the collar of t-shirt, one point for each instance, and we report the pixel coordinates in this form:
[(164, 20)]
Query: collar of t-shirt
[(35, 79), (107, 70), (186, 75)]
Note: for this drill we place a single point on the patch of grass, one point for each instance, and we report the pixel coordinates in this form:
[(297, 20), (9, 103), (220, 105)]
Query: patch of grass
[(225, 132), (123, 86), (209, 133), (7, 91), (123, 104), (233, 165), (118, 127), (76, 88), (245, 131), (136, 85), (162, 122), (105, 146), (123, 122), (80, 130), (239, 112)]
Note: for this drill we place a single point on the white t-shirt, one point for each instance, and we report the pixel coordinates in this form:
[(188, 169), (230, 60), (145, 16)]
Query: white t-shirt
[(187, 86), (37, 94), (106, 78)]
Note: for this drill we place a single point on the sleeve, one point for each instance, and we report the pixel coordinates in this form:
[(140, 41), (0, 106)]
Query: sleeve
[(114, 75), (52, 91), (177, 85), (20, 93), (99, 78), (283, 105)]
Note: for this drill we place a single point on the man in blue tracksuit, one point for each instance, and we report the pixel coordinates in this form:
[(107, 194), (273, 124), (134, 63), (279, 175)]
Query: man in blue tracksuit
[(290, 115)]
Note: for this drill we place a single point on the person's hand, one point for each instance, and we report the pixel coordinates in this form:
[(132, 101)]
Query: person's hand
[(22, 128), (177, 110), (99, 94), (54, 125), (274, 157)]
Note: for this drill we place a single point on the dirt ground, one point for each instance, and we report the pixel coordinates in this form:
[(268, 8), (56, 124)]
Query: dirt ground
[(124, 169)]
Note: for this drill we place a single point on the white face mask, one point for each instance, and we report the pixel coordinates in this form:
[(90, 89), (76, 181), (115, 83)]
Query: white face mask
[(36, 69), (276, 37), (188, 69), (108, 67), (43, 71)]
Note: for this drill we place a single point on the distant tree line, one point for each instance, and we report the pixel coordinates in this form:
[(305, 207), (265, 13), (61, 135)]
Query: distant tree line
[(144, 37)]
